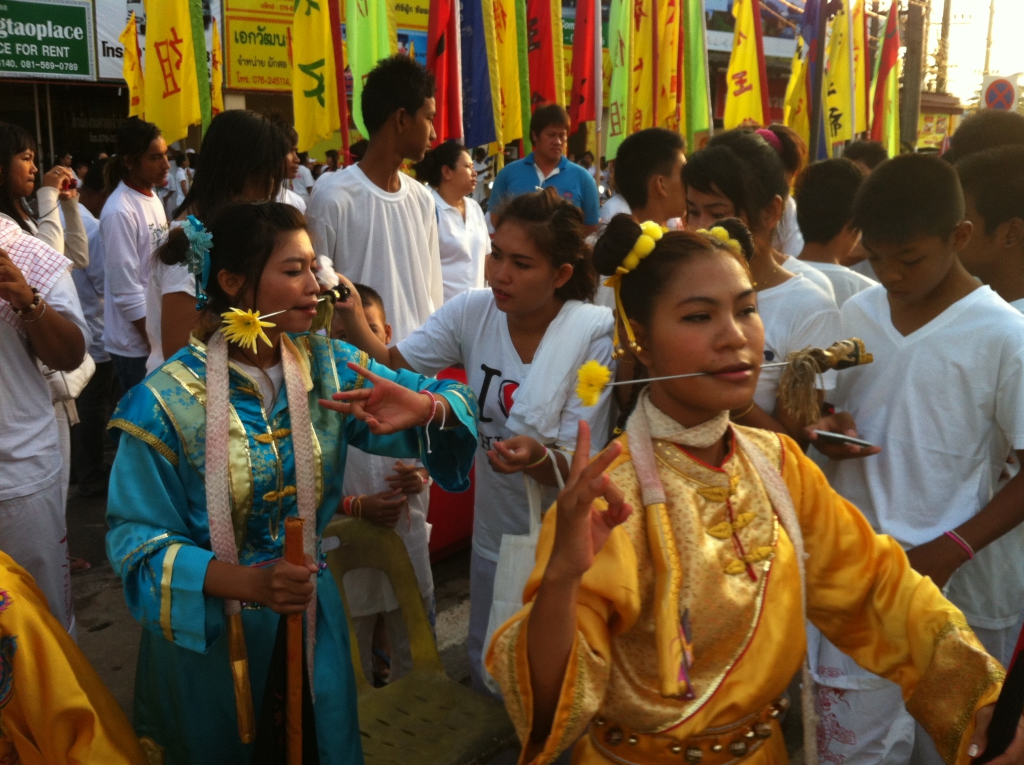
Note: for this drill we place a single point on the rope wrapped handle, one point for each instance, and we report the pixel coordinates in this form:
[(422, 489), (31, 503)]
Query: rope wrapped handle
[(798, 391)]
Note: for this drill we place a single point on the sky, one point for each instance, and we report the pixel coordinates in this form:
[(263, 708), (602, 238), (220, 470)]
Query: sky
[(968, 30)]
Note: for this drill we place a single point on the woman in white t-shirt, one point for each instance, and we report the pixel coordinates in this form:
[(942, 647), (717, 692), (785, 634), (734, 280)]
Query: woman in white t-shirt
[(738, 174), (182, 179), (243, 157), (521, 343), (461, 229)]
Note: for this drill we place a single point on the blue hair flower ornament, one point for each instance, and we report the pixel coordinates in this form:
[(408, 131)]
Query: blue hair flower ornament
[(200, 242)]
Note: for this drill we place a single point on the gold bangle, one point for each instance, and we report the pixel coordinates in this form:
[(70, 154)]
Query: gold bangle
[(744, 413)]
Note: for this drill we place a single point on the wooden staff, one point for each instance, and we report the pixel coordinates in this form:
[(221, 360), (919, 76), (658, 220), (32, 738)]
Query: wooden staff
[(293, 553)]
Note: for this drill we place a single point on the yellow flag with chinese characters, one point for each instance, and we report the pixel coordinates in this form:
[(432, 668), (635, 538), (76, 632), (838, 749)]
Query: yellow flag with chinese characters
[(796, 111), (172, 86), (642, 66), (314, 79), (668, 64), (132, 69), (840, 110), (743, 99), (216, 74), (506, 36)]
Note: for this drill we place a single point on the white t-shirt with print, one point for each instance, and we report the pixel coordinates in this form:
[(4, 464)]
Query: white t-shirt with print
[(132, 226), (796, 315), (464, 245), (946, 405), (471, 330), (302, 184), (845, 281)]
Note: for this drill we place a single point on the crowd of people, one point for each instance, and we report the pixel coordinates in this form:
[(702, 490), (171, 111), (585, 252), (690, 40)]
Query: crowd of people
[(281, 343)]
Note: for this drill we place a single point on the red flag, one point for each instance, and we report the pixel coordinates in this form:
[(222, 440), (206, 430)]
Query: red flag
[(339, 70), (886, 65), (444, 60), (540, 53), (583, 102)]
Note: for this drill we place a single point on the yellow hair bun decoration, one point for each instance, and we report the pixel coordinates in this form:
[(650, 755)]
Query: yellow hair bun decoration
[(645, 244), (592, 378), (722, 235)]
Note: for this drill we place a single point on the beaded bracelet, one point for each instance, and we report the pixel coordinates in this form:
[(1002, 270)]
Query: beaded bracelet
[(37, 318), (36, 300)]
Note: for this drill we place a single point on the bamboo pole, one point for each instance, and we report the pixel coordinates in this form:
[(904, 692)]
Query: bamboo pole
[(293, 553)]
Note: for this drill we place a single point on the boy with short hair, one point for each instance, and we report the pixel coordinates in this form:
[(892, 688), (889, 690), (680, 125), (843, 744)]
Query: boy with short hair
[(649, 175), (993, 183), (391, 494), (377, 224), (944, 406), (824, 209)]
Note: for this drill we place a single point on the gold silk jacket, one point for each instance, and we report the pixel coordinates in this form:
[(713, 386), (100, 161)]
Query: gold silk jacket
[(741, 592)]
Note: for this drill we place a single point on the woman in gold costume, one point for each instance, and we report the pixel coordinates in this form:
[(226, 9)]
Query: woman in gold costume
[(665, 615)]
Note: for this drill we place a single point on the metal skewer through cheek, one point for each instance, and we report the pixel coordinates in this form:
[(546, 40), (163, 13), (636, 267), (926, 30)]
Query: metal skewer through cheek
[(690, 374), (339, 293)]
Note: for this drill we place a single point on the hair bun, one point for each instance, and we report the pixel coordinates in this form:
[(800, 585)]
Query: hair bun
[(738, 230), (615, 243)]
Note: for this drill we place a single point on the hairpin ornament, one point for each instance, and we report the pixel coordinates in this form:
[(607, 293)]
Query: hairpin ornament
[(197, 260)]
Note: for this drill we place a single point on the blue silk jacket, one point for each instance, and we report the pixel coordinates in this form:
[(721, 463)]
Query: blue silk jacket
[(159, 539)]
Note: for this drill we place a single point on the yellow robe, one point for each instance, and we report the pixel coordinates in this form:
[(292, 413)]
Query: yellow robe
[(741, 588), (54, 709)]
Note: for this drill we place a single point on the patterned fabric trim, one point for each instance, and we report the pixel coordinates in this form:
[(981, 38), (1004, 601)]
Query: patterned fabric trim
[(144, 435)]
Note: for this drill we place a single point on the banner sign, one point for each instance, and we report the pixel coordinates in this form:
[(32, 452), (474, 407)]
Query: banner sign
[(112, 15), (46, 39), (256, 52)]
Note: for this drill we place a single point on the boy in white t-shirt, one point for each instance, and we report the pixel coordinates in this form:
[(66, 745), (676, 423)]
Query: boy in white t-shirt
[(824, 202), (377, 224), (944, 405), (391, 494)]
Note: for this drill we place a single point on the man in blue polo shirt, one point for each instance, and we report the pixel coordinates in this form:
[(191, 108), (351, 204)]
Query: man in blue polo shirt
[(547, 166)]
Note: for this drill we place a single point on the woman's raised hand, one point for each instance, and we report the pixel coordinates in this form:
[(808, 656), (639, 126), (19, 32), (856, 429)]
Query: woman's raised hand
[(386, 407), (13, 287), (582, 528)]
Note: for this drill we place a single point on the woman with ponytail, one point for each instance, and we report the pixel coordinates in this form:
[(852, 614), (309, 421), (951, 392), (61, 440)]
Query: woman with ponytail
[(521, 342), (219, 446), (666, 612), (461, 228)]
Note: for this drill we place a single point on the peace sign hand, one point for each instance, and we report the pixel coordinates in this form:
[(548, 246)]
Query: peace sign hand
[(582, 528)]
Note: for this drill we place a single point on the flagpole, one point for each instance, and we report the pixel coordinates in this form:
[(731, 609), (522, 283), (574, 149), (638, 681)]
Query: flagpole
[(598, 85), (339, 76), (707, 69), (817, 80)]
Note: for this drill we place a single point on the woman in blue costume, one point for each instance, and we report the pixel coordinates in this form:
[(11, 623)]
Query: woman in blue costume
[(191, 473)]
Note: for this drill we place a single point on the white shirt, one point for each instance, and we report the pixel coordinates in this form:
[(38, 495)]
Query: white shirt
[(796, 315), (946, 405), (845, 281), (469, 329), (302, 184), (615, 205), (289, 197), (163, 280), (369, 590), (30, 454), (787, 238), (387, 241), (89, 284), (464, 246), (181, 175), (864, 269), (990, 588), (816, 277), (272, 376), (132, 226)]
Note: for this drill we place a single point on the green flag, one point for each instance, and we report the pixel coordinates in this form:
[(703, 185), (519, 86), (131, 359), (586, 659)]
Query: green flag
[(619, 43), (371, 36), (195, 11), (524, 75), (696, 85)]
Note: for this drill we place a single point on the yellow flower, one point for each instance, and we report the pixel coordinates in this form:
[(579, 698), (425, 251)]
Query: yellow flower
[(593, 377), (245, 327), (652, 229)]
